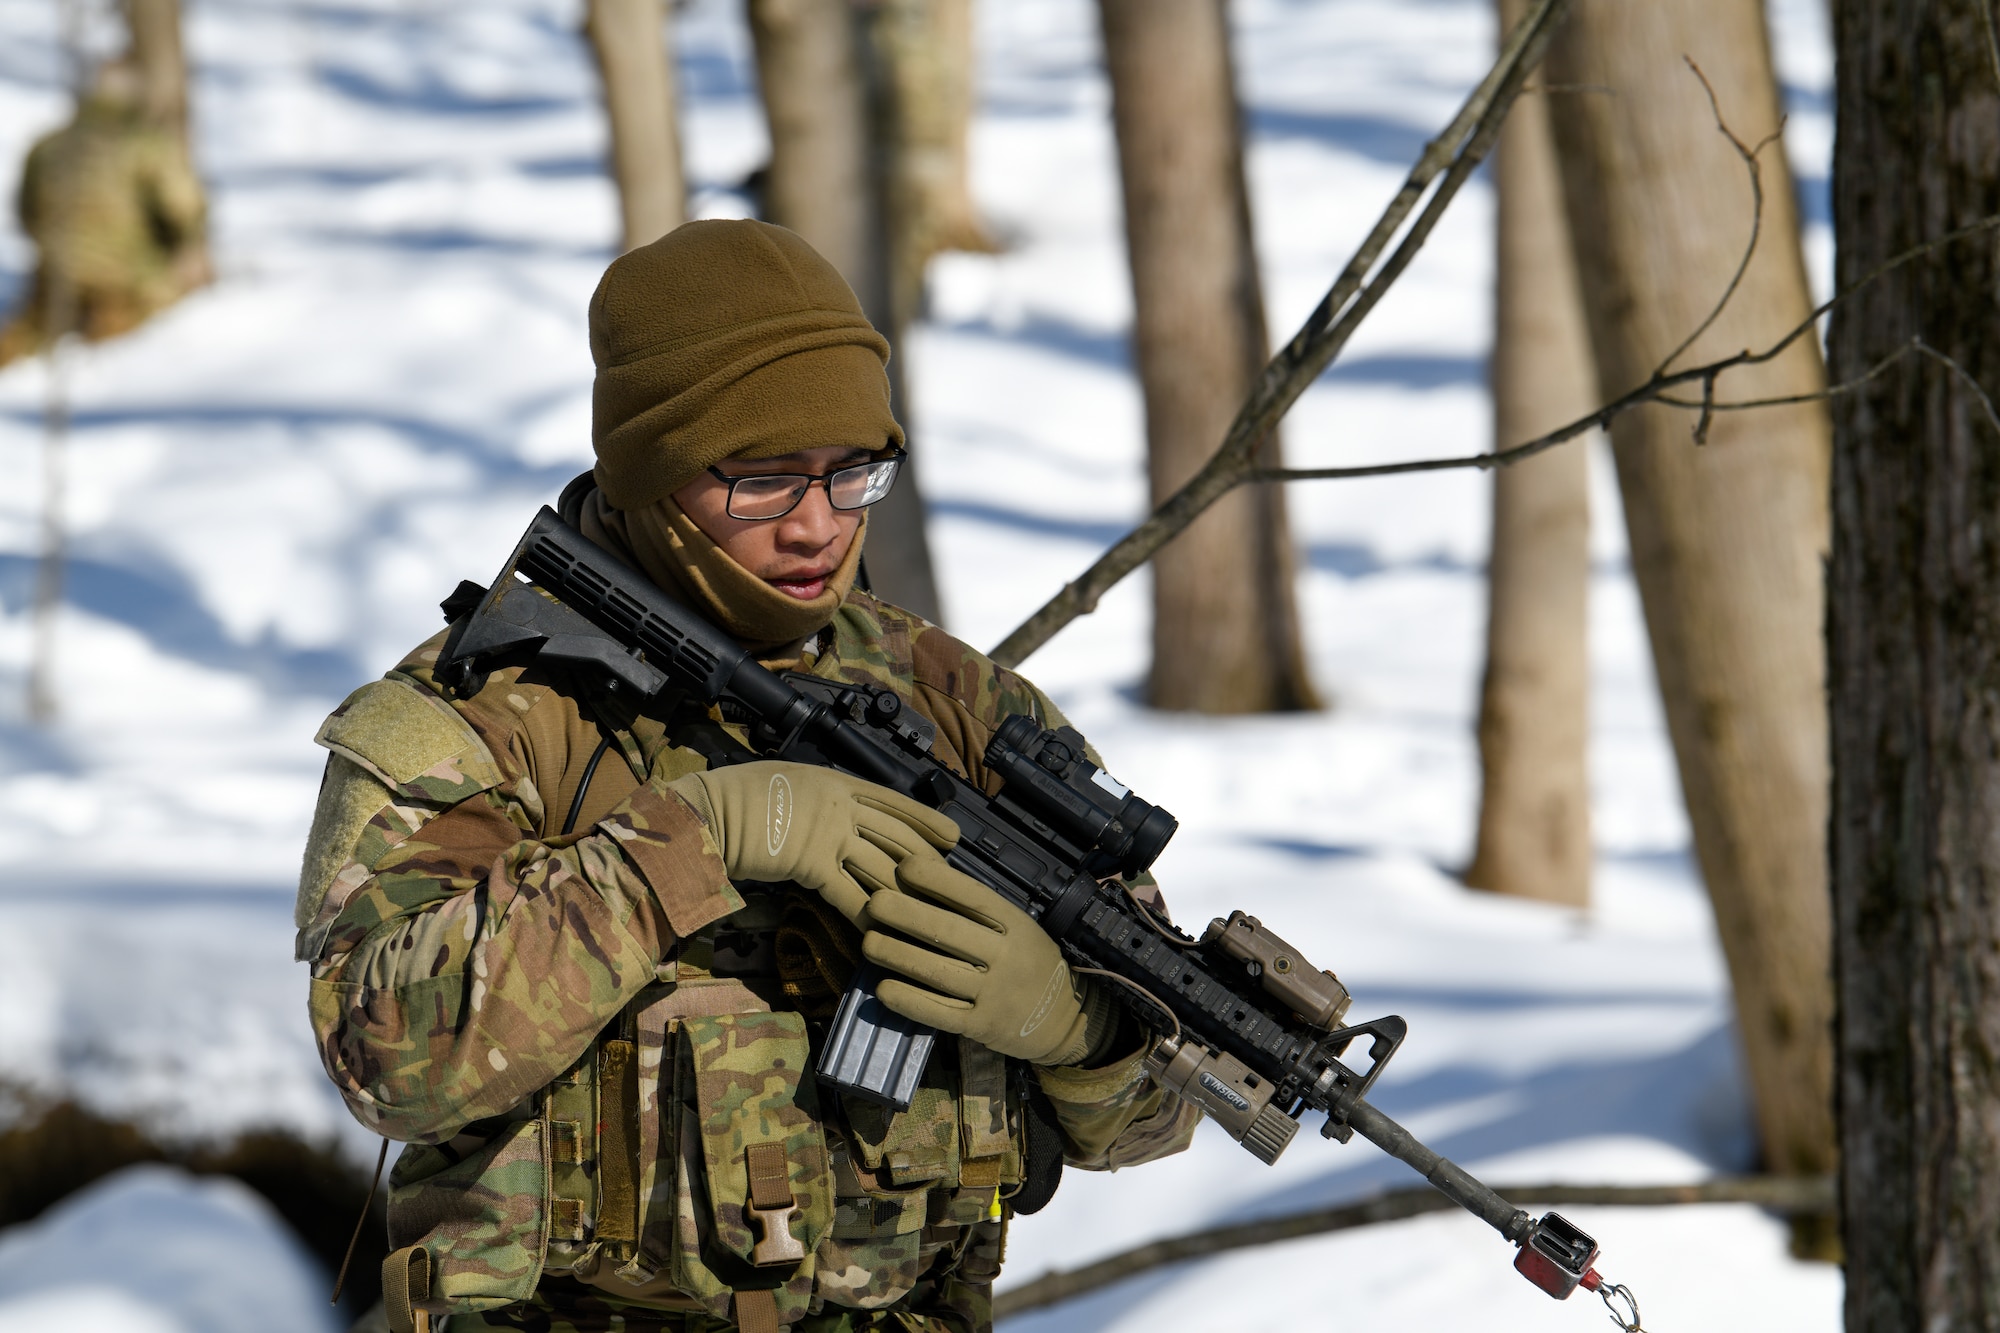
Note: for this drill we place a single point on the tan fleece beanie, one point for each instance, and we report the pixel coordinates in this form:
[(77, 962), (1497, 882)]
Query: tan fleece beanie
[(727, 339)]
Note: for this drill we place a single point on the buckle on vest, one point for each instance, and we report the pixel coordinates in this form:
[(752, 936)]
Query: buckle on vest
[(772, 1206)]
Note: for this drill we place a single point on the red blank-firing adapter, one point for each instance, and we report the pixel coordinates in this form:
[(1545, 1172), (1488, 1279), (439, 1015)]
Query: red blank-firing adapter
[(1557, 1257)]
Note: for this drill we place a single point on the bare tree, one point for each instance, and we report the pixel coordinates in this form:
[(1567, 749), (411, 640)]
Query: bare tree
[(1913, 638), (830, 102), (1225, 628), (816, 108), (926, 47), (1439, 173), (631, 42), (1726, 538), (1534, 715)]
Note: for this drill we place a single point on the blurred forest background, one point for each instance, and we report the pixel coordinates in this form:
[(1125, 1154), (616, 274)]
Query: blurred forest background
[(296, 342)]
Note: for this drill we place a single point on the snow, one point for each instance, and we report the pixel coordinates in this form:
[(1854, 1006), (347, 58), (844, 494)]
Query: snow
[(155, 1250), (270, 488)]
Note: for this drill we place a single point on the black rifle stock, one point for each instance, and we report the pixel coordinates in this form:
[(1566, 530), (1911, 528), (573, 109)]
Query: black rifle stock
[(1246, 1029)]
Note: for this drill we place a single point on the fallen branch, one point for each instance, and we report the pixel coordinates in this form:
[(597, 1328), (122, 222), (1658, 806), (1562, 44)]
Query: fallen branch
[(1448, 161), (1792, 1195)]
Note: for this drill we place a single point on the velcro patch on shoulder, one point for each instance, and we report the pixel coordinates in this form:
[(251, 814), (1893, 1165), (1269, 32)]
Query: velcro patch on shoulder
[(412, 740)]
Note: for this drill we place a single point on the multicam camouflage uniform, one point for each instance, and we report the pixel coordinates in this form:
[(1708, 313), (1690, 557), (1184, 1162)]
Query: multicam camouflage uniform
[(584, 1035)]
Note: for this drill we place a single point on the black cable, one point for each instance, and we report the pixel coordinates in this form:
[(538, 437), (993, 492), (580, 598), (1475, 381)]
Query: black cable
[(359, 1222), (583, 787)]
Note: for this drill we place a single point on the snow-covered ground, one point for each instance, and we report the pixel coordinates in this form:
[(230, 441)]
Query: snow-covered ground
[(270, 488)]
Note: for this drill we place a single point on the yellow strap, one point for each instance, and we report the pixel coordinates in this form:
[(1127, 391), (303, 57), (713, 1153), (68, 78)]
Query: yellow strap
[(618, 1107)]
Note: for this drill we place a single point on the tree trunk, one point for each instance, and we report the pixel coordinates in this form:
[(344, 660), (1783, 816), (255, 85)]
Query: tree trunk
[(1225, 628), (1726, 538), (1913, 615), (1534, 713), (901, 567), (928, 45), (816, 108), (831, 112), (161, 62), (630, 41)]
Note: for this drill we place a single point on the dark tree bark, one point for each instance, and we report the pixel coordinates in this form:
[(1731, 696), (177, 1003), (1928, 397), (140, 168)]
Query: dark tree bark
[(1727, 538), (1225, 625), (1913, 637), (1534, 713)]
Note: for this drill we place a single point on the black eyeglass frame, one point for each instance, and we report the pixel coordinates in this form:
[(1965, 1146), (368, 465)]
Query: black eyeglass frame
[(824, 479)]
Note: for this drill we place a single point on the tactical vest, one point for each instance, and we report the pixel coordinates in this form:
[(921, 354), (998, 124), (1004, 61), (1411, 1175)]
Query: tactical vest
[(690, 1161)]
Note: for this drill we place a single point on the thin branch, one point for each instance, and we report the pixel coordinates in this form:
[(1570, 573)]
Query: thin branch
[(1448, 161), (1653, 391), (1707, 410), (1964, 375), (1793, 1195), (1754, 167), (1321, 338), (1831, 391)]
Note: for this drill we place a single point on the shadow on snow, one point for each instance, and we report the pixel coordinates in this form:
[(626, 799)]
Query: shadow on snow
[(166, 610), (1691, 1098)]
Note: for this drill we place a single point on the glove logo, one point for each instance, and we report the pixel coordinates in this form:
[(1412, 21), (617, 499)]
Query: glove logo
[(1057, 978), (780, 804)]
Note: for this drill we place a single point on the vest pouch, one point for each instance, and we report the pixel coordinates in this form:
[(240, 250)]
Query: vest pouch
[(480, 1213), (894, 1172), (917, 1147), (748, 1111)]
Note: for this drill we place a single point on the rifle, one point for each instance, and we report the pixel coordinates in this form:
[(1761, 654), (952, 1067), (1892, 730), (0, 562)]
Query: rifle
[(1245, 1027)]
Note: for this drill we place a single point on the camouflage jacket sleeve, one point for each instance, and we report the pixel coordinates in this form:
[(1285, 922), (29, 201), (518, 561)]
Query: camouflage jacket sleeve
[(1116, 1116), (459, 961)]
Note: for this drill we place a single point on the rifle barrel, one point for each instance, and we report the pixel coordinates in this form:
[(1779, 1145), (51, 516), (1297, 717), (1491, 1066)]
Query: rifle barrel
[(1447, 1176)]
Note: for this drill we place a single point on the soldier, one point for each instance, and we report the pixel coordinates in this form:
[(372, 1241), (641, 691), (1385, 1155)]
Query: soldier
[(116, 212), (579, 967)]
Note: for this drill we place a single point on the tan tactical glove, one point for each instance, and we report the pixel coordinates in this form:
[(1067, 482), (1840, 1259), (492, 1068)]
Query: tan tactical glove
[(982, 968), (830, 832)]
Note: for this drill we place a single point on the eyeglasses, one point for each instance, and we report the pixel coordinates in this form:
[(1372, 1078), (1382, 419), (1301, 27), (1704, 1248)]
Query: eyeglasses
[(776, 494)]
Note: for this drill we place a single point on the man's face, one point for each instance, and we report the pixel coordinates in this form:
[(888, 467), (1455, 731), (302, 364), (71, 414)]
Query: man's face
[(796, 553)]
